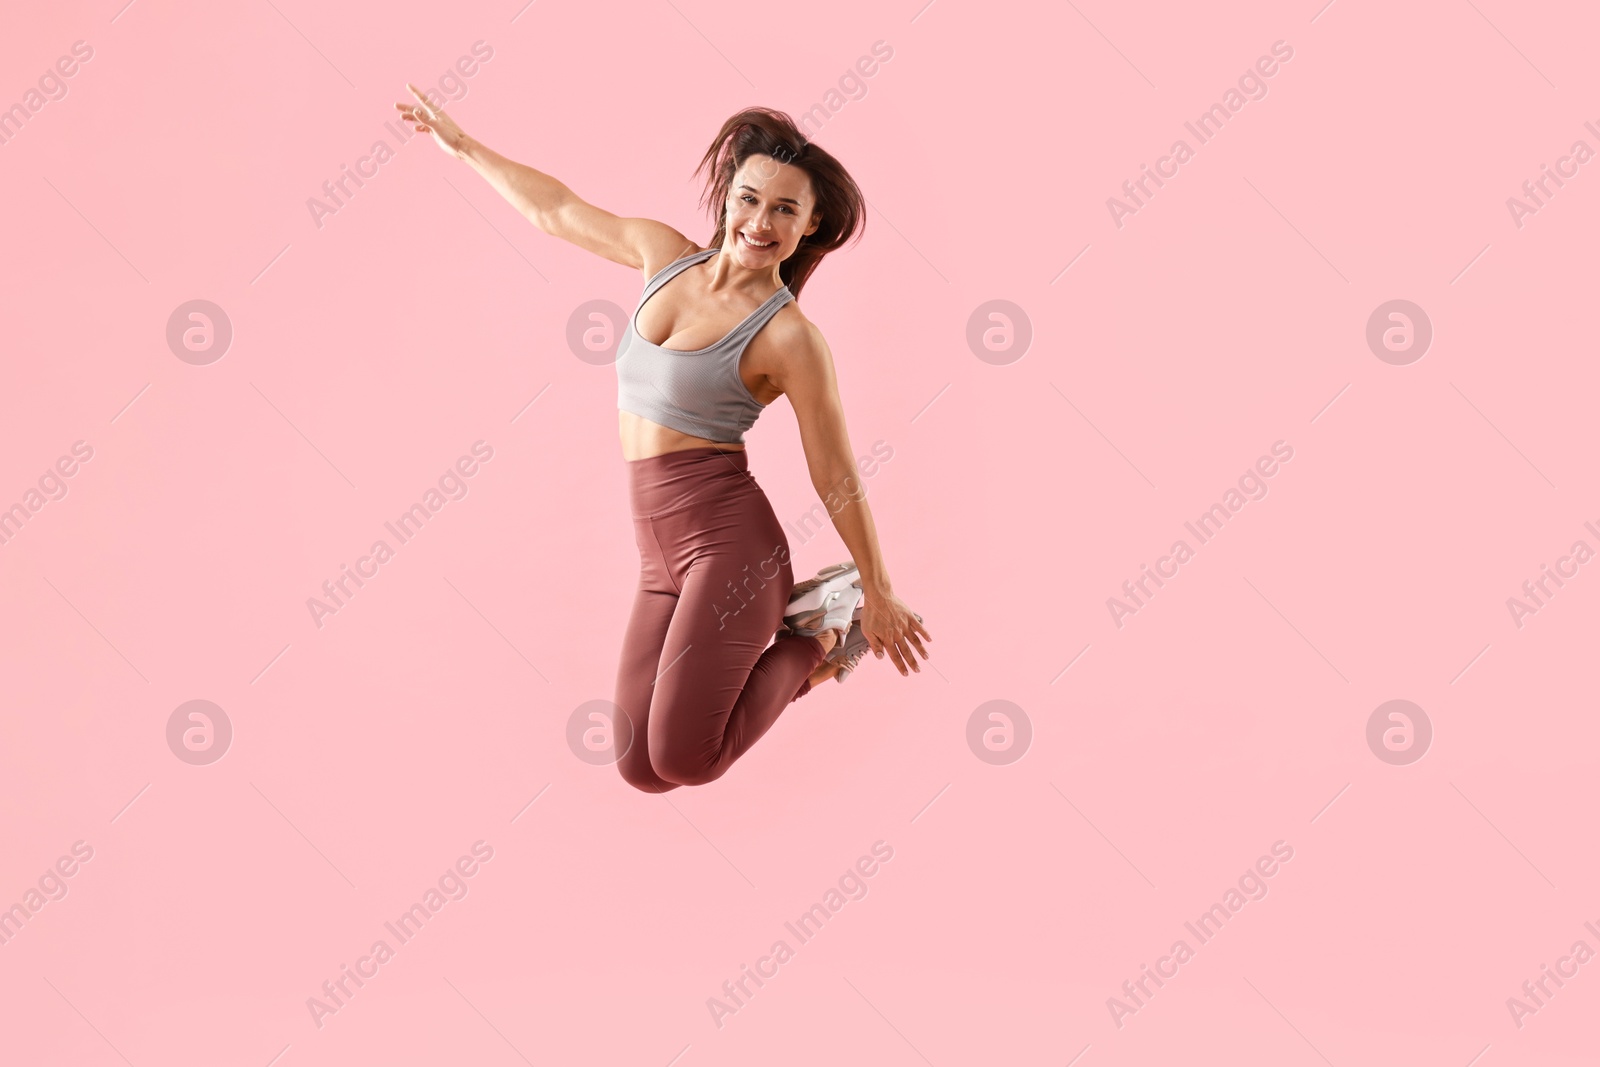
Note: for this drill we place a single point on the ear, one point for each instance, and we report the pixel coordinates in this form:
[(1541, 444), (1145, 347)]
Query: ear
[(816, 220)]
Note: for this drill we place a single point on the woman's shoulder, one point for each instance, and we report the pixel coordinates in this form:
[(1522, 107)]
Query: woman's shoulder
[(790, 320), (793, 335), (665, 251)]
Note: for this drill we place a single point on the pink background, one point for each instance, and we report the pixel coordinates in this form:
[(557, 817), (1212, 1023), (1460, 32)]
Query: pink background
[(1230, 713)]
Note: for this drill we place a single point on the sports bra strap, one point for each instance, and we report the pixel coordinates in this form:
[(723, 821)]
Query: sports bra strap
[(672, 270), (759, 318)]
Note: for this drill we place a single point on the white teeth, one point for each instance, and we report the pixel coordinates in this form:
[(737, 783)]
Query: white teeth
[(754, 244)]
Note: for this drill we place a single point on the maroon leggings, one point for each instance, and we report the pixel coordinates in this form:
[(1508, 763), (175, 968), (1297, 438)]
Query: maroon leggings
[(698, 683)]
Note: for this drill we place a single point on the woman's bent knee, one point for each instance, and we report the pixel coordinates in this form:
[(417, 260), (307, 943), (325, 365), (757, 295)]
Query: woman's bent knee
[(643, 778), (683, 772)]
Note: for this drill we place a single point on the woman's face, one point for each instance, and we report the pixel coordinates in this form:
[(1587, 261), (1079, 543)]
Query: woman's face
[(772, 203)]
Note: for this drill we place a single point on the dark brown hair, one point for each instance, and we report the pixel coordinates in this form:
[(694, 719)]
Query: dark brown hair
[(764, 131)]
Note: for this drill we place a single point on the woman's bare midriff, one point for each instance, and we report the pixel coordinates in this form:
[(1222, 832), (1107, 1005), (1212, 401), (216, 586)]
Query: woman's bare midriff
[(642, 438)]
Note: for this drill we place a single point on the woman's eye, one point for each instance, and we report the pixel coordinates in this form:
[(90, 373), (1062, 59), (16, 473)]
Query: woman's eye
[(747, 199)]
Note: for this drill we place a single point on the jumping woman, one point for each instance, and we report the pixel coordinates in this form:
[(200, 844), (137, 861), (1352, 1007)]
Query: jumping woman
[(721, 639)]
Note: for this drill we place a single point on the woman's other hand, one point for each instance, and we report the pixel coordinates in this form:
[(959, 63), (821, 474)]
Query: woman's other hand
[(889, 625)]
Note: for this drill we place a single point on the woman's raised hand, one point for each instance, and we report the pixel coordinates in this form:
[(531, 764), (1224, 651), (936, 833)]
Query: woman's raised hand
[(446, 134), (889, 625)]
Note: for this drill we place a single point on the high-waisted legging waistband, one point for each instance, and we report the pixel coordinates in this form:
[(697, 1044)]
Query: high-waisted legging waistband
[(672, 481)]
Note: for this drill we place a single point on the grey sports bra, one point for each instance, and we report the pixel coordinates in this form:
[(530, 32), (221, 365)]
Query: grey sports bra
[(698, 393)]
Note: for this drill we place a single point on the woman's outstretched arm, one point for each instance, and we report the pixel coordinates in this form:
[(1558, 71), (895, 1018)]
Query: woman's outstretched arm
[(643, 244), (807, 378)]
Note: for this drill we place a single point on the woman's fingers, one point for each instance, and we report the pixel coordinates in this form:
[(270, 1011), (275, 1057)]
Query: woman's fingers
[(906, 651), (900, 640), (908, 645), (408, 113), (899, 653), (415, 113), (426, 116), (885, 646)]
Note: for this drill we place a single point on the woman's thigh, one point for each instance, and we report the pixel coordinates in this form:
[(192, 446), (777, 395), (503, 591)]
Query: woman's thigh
[(734, 576)]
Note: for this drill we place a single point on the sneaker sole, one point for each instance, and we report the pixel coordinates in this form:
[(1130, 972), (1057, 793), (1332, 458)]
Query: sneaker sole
[(853, 640)]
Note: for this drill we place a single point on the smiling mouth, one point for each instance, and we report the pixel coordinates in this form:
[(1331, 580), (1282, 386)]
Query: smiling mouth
[(759, 247)]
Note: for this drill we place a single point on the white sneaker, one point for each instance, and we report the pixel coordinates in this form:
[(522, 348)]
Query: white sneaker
[(836, 617), (850, 662), (848, 652), (811, 594), (826, 602)]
